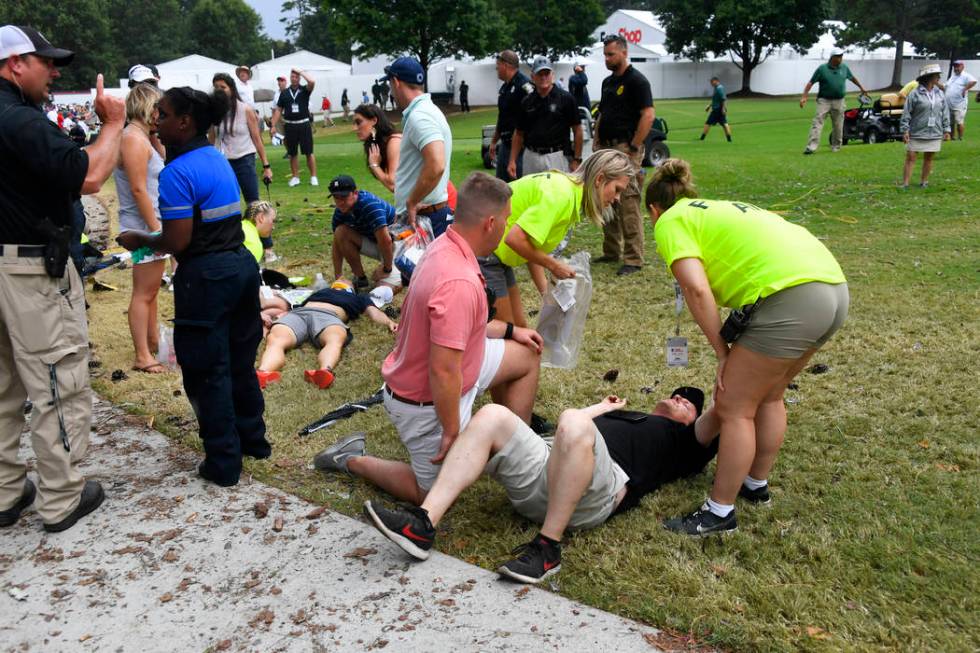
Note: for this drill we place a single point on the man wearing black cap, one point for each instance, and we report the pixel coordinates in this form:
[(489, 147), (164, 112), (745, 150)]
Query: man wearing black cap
[(43, 332), (512, 93), (600, 463), (360, 226)]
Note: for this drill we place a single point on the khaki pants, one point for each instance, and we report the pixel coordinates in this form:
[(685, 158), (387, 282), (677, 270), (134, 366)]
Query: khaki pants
[(623, 235), (534, 162), (836, 110), (43, 339)]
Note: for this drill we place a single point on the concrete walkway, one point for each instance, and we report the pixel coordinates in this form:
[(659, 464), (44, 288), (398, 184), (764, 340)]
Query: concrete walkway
[(171, 563)]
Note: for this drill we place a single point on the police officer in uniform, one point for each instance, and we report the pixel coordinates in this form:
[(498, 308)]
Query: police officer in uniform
[(516, 87), (294, 106), (625, 116), (43, 332), (542, 126)]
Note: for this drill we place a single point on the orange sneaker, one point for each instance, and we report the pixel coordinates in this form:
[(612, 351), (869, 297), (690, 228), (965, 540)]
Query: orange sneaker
[(323, 379), (265, 378)]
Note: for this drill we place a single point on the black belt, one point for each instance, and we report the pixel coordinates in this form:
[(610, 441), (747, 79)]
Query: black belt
[(23, 251), (394, 395), (544, 150)]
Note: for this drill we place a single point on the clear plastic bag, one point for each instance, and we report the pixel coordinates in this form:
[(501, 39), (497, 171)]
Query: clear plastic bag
[(411, 245), (166, 354), (564, 309)]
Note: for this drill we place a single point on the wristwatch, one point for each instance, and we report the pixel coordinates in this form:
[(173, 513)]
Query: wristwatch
[(634, 148), (386, 270), (577, 159), (266, 166)]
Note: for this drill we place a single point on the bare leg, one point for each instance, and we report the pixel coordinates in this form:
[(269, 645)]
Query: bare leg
[(728, 130), (152, 325), (927, 165), (516, 382), (704, 132), (395, 478), (570, 468), (504, 310), (294, 166), (516, 307), (311, 164), (146, 285), (349, 243), (907, 170), (332, 342), (281, 339), (488, 432)]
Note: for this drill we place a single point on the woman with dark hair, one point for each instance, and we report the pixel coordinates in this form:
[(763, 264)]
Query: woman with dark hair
[(216, 286), (238, 137), (381, 143)]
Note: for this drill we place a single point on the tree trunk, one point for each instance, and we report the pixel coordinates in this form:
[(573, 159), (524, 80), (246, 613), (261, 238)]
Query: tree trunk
[(747, 76), (903, 22)]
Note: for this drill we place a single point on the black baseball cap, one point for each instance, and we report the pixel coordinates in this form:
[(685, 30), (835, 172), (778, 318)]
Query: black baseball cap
[(692, 394), (18, 39), (342, 185)]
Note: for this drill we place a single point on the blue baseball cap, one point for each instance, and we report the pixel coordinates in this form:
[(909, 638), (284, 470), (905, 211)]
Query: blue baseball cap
[(405, 69)]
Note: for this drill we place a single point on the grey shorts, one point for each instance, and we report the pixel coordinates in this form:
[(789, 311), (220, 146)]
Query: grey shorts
[(308, 323), (522, 468), (499, 277), (797, 319)]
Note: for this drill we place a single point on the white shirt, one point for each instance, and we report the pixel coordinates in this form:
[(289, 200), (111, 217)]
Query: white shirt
[(52, 116), (246, 92), (955, 86)]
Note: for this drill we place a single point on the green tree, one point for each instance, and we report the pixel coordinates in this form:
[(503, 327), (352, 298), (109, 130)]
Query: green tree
[(552, 27), (429, 30), (746, 30), (229, 30), (312, 28), (85, 29), (148, 31)]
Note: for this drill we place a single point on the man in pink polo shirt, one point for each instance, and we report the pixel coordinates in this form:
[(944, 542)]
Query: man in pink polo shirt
[(447, 351)]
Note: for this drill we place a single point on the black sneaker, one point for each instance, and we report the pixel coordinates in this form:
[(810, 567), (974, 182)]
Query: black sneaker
[(408, 527), (807, 152), (361, 284), (92, 497), (758, 496), (702, 522), (540, 425), (10, 516), (606, 259), (627, 269), (535, 561)]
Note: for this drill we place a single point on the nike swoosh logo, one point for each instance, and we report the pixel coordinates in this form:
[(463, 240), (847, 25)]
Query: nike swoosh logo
[(407, 532)]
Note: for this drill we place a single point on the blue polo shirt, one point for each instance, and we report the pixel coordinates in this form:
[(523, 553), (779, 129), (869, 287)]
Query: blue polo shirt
[(198, 183), (368, 214)]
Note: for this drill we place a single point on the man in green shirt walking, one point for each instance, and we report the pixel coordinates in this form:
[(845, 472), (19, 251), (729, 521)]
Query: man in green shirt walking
[(832, 78), (718, 109)]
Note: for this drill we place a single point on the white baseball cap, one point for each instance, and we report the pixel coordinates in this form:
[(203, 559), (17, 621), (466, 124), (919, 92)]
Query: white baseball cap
[(141, 73), (19, 40), (837, 52)]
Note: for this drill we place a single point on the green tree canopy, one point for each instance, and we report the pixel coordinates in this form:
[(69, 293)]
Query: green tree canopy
[(552, 27), (746, 30), (229, 30)]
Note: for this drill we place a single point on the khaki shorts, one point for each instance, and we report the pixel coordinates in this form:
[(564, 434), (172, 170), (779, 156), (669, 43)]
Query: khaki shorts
[(522, 468), (370, 249), (957, 115), (795, 320)]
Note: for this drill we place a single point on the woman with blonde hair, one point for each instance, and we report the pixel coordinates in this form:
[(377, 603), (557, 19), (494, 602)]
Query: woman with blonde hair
[(788, 295), (137, 177), (544, 207), (257, 224)]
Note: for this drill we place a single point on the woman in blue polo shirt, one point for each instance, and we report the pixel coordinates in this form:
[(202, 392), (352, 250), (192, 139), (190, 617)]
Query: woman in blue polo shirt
[(216, 285)]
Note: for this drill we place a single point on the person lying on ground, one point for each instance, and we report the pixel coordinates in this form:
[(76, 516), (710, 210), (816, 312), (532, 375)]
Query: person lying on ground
[(322, 320), (360, 226), (600, 463), (447, 352)]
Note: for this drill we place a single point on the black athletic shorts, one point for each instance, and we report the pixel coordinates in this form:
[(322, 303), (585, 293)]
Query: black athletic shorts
[(717, 117), (299, 135)]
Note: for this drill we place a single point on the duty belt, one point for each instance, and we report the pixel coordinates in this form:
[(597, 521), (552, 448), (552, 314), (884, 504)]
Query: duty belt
[(22, 251), (295, 122), (544, 150)]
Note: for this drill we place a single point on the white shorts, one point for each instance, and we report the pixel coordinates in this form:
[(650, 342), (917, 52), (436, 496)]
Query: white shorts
[(522, 468), (370, 249), (419, 427), (958, 115)]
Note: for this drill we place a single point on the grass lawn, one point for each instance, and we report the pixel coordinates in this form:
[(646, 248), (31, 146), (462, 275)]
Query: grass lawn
[(871, 542)]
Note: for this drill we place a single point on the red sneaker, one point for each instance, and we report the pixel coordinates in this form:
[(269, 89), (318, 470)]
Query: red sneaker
[(265, 378), (323, 379)]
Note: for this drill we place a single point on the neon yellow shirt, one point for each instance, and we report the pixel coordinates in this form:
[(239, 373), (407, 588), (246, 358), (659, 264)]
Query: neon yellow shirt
[(748, 253), (908, 88), (252, 241), (544, 205)]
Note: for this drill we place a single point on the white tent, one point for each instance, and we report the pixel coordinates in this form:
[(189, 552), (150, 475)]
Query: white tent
[(194, 70), (264, 74)]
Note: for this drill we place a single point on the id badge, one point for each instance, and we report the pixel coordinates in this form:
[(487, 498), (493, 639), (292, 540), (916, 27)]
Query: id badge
[(677, 352), (295, 107), (932, 121)]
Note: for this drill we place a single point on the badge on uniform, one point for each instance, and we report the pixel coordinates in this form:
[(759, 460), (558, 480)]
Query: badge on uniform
[(619, 91), (553, 107), (295, 107), (677, 352)]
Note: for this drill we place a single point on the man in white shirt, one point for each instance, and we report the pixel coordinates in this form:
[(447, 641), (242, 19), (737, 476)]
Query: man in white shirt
[(957, 91), (243, 82)]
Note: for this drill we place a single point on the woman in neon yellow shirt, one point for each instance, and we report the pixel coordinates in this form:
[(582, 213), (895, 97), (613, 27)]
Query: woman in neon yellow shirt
[(739, 256), (544, 206)]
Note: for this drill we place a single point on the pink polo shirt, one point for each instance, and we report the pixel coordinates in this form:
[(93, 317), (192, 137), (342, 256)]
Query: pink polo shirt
[(446, 305)]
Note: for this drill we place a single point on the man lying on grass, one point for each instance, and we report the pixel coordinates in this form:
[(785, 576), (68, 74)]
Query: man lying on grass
[(601, 462), (322, 321)]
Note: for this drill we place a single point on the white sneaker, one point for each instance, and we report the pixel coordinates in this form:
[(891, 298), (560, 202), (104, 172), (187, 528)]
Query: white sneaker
[(294, 182), (314, 181), (271, 257)]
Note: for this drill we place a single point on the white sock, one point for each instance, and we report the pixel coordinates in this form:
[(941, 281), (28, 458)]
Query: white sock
[(718, 509), (754, 483)]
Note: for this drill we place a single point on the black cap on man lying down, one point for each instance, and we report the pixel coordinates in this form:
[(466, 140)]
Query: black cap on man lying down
[(692, 394)]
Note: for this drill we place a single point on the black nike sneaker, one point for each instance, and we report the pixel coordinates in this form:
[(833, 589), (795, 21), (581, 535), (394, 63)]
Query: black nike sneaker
[(408, 527), (759, 496), (702, 522), (535, 561)]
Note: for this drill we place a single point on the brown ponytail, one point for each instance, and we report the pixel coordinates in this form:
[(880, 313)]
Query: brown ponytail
[(670, 182)]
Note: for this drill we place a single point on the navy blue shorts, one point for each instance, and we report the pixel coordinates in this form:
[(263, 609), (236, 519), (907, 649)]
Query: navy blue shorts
[(717, 117)]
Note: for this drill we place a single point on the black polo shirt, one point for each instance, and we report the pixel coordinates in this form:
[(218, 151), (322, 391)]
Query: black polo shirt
[(41, 170), (653, 452), (509, 104), (624, 97), (295, 103), (545, 121)]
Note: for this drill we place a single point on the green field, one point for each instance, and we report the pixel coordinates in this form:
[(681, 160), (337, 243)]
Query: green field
[(872, 540)]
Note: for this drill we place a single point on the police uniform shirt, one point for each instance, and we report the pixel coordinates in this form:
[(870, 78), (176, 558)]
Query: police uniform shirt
[(509, 104), (41, 170), (546, 121), (623, 99), (294, 102)]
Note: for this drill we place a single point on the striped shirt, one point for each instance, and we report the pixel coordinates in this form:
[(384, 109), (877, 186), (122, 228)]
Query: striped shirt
[(368, 214)]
